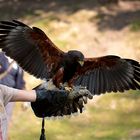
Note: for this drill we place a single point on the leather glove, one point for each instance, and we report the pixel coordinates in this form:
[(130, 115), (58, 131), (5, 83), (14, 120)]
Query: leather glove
[(58, 102), (48, 102), (76, 100)]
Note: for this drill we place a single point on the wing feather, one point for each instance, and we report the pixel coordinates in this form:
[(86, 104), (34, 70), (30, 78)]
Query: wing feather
[(112, 76), (97, 86), (90, 82), (30, 47), (109, 81), (109, 74), (86, 80), (121, 84), (122, 79), (103, 80), (94, 81)]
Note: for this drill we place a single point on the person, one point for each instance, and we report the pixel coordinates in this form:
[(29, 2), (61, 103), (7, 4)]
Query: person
[(12, 76), (54, 100)]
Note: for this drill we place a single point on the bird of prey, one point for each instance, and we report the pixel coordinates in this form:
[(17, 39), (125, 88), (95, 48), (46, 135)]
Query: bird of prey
[(39, 56)]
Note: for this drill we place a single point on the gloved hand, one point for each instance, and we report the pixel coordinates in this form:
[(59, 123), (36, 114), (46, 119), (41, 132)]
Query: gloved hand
[(59, 102), (77, 98)]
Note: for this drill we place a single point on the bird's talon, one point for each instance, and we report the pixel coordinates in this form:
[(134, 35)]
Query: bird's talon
[(68, 89)]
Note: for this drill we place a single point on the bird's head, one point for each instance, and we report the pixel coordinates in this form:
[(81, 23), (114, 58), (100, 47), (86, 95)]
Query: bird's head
[(76, 56)]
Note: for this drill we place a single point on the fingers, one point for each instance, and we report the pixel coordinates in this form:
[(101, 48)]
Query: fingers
[(85, 92), (79, 105), (81, 97), (85, 100), (80, 102), (76, 100), (89, 95)]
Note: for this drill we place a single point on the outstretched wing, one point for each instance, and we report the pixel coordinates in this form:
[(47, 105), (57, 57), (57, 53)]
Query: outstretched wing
[(30, 47), (108, 74)]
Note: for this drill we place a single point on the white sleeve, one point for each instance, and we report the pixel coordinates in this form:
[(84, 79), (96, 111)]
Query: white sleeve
[(7, 93)]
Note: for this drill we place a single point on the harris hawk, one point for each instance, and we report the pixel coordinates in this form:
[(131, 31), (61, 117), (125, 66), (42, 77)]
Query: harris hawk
[(39, 56)]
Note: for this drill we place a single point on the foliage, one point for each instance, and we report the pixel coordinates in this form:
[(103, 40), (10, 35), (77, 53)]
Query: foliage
[(135, 26)]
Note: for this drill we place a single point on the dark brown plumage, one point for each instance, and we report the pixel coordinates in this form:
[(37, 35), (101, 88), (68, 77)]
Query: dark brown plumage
[(37, 54)]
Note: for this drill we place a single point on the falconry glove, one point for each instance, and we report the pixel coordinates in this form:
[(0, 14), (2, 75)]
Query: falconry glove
[(77, 98), (58, 102), (48, 102)]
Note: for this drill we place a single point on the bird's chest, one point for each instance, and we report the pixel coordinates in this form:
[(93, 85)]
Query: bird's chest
[(69, 71)]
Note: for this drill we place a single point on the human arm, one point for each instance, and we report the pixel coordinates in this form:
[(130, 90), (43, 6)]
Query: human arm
[(9, 94), (24, 95), (49, 101)]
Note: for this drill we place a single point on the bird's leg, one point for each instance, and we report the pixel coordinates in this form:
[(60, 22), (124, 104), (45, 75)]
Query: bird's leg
[(49, 85), (79, 87), (67, 87), (61, 86)]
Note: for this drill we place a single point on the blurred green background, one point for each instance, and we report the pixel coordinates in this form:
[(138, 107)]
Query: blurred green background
[(95, 27)]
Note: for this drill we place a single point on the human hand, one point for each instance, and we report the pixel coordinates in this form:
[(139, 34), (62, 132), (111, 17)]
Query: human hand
[(77, 98)]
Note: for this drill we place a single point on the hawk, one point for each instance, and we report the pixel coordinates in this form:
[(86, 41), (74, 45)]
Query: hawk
[(39, 56)]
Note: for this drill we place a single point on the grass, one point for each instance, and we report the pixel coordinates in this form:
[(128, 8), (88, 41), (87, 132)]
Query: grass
[(111, 117), (135, 26)]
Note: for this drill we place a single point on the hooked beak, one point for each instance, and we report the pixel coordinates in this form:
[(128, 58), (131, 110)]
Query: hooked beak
[(81, 63)]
